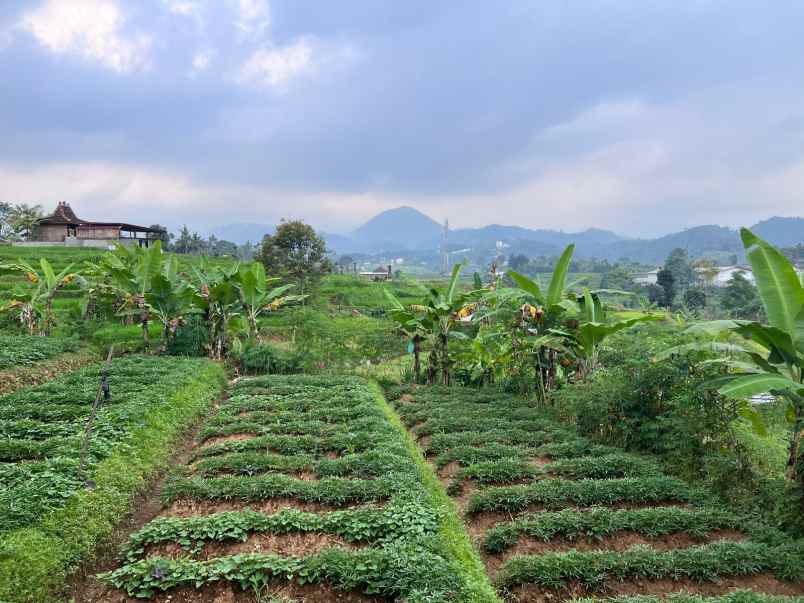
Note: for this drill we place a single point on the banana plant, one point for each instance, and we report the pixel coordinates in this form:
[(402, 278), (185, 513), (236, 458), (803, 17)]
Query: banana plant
[(435, 318), (169, 299), (553, 300), (414, 326), (35, 302), (542, 312), (593, 327), (760, 358), (216, 295), (130, 274), (487, 354), (257, 296)]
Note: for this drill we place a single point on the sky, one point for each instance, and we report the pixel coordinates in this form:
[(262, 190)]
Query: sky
[(639, 117)]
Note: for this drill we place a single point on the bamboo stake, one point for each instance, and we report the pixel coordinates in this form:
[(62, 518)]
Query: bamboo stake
[(91, 421)]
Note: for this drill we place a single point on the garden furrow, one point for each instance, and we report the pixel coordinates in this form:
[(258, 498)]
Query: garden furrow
[(300, 488), (556, 517)]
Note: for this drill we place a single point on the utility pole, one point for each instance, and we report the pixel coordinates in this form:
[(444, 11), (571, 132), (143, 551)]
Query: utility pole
[(444, 251)]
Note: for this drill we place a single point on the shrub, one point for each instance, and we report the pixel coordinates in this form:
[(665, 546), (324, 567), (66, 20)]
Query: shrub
[(266, 359)]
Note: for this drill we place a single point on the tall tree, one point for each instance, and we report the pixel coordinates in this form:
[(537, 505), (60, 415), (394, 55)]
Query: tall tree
[(183, 242), (678, 262), (5, 227), (297, 254), (164, 236), (518, 262), (666, 279), (21, 219), (741, 298)]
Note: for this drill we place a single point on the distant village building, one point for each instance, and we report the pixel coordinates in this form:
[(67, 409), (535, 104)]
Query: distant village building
[(646, 278), (378, 274), (719, 276), (724, 274), (63, 227)]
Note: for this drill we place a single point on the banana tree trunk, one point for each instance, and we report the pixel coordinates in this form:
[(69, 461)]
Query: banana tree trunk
[(47, 324), (417, 348), (163, 348), (146, 336), (432, 366), (443, 344), (795, 460)]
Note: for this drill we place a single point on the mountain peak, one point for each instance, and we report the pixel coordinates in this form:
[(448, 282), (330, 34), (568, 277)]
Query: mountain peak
[(398, 228)]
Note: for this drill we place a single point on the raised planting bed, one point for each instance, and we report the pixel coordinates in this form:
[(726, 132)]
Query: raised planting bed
[(21, 350), (301, 486), (51, 516), (556, 516)]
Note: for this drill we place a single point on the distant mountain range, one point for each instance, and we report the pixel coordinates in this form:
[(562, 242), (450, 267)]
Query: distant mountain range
[(405, 229)]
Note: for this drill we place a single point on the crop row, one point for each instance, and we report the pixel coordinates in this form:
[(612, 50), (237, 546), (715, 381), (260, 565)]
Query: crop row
[(18, 350), (301, 440), (702, 563), (510, 470), (738, 596), (597, 523)]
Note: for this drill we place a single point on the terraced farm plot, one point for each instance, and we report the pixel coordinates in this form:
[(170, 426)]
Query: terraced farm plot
[(558, 517), (300, 488), (27, 360), (51, 514), (16, 350), (42, 428)]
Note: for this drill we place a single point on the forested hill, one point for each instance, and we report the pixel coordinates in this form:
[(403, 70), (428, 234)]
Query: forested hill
[(407, 229)]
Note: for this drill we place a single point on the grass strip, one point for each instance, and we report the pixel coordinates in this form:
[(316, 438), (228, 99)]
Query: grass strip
[(452, 530)]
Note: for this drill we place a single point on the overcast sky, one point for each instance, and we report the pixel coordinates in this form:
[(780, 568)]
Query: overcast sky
[(641, 117)]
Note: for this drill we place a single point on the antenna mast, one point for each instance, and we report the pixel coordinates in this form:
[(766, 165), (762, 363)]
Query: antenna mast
[(444, 252)]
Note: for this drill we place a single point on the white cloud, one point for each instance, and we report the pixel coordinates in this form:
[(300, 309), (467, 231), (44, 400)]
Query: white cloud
[(185, 8), (276, 67), (253, 16), (90, 29), (99, 190), (615, 188), (202, 59)]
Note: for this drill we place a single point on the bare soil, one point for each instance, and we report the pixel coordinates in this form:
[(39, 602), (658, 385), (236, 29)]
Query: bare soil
[(295, 544), (235, 437), (189, 508), (229, 593)]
